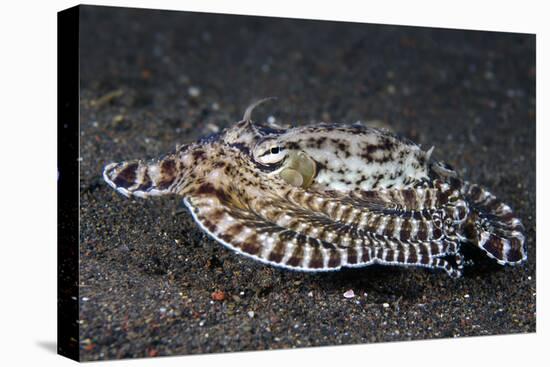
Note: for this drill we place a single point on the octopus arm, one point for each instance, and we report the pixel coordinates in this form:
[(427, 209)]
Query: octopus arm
[(495, 229), (277, 231)]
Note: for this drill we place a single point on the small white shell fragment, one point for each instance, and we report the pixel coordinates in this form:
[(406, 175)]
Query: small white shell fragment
[(194, 91), (349, 294)]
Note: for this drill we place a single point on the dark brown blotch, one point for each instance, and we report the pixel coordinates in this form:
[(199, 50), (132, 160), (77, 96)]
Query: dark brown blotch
[(514, 253), (390, 255), (494, 246), (167, 173), (168, 167), (401, 257), (146, 183), (422, 233), (235, 229), (413, 258), (251, 245), (423, 250), (352, 256), (219, 164), (198, 155), (405, 232), (434, 248), (209, 225), (297, 256), (409, 198), (277, 253), (442, 197), (209, 189), (316, 260), (216, 216), (334, 259), (475, 193), (390, 226), (127, 176)]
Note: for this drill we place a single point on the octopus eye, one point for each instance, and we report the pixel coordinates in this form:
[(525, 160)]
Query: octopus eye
[(269, 154)]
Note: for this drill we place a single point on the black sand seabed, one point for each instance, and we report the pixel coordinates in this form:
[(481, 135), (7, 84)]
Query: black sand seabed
[(151, 79)]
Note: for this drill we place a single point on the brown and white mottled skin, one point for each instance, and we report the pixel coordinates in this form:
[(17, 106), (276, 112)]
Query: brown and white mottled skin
[(327, 196)]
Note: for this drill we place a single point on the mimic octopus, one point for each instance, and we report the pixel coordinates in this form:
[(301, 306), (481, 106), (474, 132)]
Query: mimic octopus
[(328, 196)]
